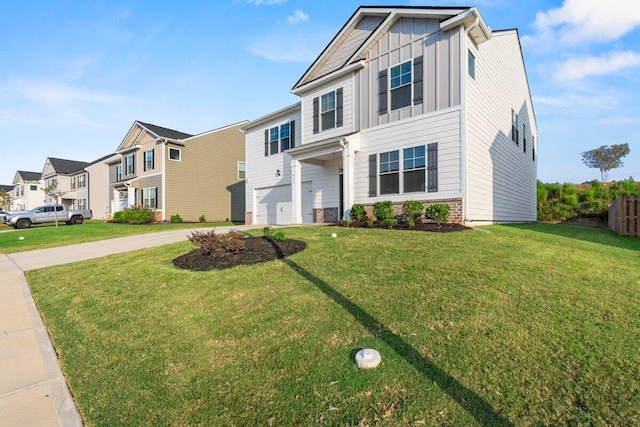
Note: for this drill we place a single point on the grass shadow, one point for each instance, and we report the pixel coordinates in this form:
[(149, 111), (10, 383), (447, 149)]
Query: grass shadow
[(602, 236), (471, 402)]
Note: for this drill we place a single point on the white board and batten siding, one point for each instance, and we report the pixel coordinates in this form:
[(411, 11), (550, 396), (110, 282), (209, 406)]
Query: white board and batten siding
[(500, 175), (442, 127)]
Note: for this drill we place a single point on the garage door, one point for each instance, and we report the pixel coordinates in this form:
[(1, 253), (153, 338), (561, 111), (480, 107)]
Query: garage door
[(273, 204)]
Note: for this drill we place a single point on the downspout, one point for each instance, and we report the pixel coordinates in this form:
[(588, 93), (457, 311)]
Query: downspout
[(161, 140), (463, 112), (346, 179)]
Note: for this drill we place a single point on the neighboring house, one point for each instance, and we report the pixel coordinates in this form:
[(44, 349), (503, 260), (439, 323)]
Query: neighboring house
[(176, 173), (405, 103), (71, 182), (98, 186), (5, 203), (27, 191)]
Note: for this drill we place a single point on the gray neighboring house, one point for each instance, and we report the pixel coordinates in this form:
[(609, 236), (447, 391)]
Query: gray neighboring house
[(71, 180), (27, 191)]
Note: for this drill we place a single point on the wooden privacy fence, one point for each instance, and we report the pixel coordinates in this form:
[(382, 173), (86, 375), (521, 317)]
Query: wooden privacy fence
[(623, 216)]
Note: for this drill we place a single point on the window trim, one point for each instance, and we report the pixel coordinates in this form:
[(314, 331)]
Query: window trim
[(401, 171), (146, 197), (149, 163), (242, 169), (179, 159), (274, 140), (390, 172), (324, 112), (127, 165), (401, 86), (414, 168), (283, 138), (82, 181)]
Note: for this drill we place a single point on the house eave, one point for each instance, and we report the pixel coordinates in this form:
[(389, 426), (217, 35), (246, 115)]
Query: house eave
[(283, 112), (479, 32)]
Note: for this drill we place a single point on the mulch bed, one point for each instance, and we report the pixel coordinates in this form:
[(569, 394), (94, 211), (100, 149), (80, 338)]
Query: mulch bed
[(426, 226), (257, 250)]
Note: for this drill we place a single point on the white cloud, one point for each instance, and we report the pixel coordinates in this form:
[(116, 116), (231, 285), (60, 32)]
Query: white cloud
[(584, 21), (298, 17), (581, 67)]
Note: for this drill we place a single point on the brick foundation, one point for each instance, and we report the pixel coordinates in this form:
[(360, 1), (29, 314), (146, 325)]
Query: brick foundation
[(326, 215), (248, 218)]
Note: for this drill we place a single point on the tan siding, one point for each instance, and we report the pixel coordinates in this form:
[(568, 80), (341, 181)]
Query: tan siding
[(206, 178)]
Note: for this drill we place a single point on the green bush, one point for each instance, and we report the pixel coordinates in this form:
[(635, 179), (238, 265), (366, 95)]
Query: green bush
[(391, 222), (345, 223), (411, 223), (175, 219), (383, 210), (439, 212), (368, 224), (133, 215), (357, 212), (267, 231), (412, 209), (202, 218), (279, 236), (217, 244)]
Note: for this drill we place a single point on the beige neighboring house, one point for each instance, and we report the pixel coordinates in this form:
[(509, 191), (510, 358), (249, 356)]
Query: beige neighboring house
[(8, 189), (27, 191), (71, 182), (98, 186), (175, 173)]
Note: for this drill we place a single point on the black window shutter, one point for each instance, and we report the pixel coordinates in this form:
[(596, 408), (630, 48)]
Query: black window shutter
[(153, 158), (373, 175), (432, 168), (417, 80), (339, 107), (292, 134), (144, 161), (316, 115), (382, 92), (266, 142), (134, 164), (156, 190)]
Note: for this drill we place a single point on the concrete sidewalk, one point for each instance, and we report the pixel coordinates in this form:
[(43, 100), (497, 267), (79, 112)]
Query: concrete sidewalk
[(33, 391)]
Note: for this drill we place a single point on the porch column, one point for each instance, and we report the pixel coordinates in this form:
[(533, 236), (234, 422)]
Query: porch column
[(348, 169), (296, 192)]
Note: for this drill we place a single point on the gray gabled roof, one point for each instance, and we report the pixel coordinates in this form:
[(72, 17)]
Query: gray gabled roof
[(100, 159), (164, 132), (6, 188), (29, 176), (65, 166)]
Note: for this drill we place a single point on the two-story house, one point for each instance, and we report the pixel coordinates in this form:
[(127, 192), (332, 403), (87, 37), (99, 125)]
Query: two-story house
[(405, 103), (70, 179), (27, 191), (175, 173)]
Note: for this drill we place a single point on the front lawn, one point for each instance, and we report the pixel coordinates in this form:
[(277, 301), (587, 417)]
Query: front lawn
[(528, 325), (48, 236)]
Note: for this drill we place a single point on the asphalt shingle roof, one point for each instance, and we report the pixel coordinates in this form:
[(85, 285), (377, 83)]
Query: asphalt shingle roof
[(164, 132), (67, 166), (29, 176)]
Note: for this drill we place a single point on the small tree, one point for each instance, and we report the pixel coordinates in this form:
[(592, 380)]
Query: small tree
[(52, 191), (5, 199), (605, 158)]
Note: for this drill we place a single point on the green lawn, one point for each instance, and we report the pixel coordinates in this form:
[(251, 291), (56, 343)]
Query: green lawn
[(528, 325), (48, 236)]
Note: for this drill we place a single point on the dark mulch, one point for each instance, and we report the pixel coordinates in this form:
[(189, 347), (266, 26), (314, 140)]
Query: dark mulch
[(426, 226), (257, 249)]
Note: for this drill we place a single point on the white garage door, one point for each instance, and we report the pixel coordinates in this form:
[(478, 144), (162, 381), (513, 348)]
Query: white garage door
[(273, 204)]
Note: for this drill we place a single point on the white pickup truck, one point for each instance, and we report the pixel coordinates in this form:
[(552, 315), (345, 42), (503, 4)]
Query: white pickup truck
[(45, 214)]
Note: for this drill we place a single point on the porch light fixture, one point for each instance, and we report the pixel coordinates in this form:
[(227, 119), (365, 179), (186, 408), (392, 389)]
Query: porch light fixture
[(278, 172)]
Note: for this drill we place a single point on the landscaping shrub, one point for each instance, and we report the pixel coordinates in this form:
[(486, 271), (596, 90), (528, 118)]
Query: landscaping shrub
[(279, 236), (175, 219), (368, 224), (439, 212), (357, 212), (383, 210), (202, 218), (410, 223), (133, 215), (412, 209), (391, 222), (345, 223), (267, 231), (217, 244)]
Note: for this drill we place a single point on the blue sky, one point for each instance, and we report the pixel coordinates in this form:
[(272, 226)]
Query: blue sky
[(74, 75)]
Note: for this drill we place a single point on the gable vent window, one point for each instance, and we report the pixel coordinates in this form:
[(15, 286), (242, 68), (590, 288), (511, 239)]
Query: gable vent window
[(400, 85)]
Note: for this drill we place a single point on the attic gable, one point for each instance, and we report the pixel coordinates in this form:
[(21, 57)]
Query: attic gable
[(369, 24), (141, 131)]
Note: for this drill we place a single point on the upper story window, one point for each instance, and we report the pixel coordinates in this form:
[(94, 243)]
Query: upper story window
[(82, 181), (284, 136), (130, 162), (149, 159), (524, 138), (471, 65), (73, 182), (174, 154), (280, 138), (328, 111), (273, 140), (400, 84), (119, 173), (403, 83), (33, 187), (515, 136), (242, 170), (18, 191)]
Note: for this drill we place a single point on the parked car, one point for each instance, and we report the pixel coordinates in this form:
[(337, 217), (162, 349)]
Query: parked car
[(46, 214), (3, 214)]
